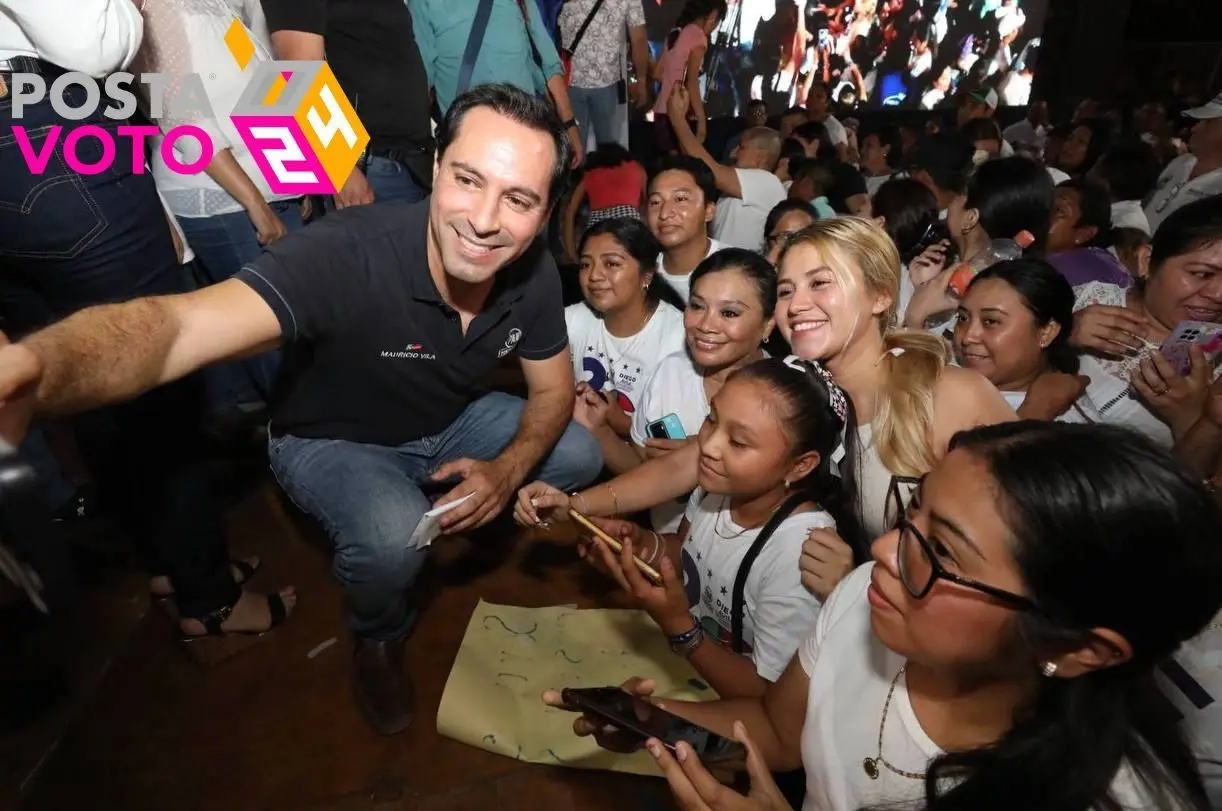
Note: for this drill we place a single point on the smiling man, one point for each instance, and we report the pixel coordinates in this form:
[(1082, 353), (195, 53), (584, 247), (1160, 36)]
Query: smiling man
[(391, 317)]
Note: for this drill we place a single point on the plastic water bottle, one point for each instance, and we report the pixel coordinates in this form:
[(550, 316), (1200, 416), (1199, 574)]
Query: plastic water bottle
[(1000, 250)]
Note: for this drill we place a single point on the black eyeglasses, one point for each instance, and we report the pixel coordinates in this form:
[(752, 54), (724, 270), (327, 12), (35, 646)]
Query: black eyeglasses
[(781, 236), (919, 569)]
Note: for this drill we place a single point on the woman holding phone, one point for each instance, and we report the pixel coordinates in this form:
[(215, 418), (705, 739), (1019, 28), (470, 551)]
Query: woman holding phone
[(1123, 329), (729, 315), (739, 609), (966, 667)]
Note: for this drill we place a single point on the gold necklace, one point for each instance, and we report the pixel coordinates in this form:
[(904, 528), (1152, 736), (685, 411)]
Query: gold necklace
[(725, 510), (870, 764)]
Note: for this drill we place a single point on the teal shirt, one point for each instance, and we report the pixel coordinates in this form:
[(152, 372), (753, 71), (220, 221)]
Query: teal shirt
[(442, 27)]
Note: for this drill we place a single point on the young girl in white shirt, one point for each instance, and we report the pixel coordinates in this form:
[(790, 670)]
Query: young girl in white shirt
[(731, 598), (629, 321), (968, 667)]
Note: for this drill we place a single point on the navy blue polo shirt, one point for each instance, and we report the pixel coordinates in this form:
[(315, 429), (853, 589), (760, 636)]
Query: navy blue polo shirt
[(372, 352)]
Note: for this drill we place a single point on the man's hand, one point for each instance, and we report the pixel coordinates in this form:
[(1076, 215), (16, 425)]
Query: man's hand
[(491, 482), (577, 144), (356, 191), (20, 372), (638, 93)]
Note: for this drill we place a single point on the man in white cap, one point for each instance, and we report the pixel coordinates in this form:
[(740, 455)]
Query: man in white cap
[(1195, 175), (981, 104)]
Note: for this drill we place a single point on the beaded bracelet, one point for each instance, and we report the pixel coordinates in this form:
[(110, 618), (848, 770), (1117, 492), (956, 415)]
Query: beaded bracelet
[(685, 644)]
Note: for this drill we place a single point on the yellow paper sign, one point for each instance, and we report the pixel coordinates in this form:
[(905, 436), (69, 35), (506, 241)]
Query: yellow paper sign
[(510, 655)]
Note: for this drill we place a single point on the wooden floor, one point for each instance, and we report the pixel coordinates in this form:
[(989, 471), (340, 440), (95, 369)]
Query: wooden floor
[(272, 728)]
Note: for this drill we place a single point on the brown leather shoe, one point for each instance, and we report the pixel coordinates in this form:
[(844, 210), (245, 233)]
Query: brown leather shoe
[(381, 686)]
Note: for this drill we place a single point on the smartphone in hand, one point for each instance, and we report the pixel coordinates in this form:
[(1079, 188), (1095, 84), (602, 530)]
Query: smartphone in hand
[(636, 716), (669, 427)]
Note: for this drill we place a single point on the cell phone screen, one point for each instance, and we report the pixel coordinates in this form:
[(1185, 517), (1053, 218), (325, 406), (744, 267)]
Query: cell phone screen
[(633, 714)]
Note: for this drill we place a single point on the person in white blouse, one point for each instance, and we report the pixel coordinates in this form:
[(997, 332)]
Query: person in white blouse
[(1122, 329), (74, 241), (228, 212), (966, 667)]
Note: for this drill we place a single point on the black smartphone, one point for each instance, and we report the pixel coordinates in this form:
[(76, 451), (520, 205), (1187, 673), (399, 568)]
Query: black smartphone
[(935, 232), (634, 715)]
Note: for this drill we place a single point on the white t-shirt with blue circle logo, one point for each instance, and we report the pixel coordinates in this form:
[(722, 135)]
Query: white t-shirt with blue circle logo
[(778, 612)]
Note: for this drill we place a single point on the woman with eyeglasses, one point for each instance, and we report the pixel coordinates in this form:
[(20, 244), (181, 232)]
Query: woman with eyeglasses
[(992, 656), (1123, 329), (787, 218)]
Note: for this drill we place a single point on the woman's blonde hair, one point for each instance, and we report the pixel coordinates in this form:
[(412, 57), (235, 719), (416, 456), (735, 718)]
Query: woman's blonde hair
[(859, 252)]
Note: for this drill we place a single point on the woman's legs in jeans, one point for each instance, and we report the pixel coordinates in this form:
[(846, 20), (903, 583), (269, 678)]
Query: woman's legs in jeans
[(76, 241), (223, 245)]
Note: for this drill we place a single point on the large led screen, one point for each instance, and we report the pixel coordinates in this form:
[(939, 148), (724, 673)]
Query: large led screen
[(871, 53)]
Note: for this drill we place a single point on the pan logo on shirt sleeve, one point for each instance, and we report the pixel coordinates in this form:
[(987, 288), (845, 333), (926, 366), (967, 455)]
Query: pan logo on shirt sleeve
[(511, 341)]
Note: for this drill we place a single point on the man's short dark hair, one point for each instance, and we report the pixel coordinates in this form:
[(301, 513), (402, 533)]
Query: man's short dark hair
[(695, 167), (516, 104), (815, 131)]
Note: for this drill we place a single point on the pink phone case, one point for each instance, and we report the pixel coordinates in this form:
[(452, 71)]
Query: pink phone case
[(1206, 335)]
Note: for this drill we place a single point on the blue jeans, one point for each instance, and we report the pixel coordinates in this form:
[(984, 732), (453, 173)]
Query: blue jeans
[(596, 108), (368, 499), (391, 181), (73, 241), (223, 244)]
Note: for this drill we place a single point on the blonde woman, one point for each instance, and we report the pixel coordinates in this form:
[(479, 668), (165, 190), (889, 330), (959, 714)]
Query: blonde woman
[(838, 281)]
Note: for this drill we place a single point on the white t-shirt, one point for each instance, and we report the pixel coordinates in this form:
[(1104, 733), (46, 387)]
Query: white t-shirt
[(740, 221), (621, 365), (1201, 661), (778, 611), (1175, 190), (96, 37), (675, 388), (835, 131), (851, 674), (1110, 380), (683, 284)]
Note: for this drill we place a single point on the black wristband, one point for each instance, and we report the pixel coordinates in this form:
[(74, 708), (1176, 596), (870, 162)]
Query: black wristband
[(570, 124)]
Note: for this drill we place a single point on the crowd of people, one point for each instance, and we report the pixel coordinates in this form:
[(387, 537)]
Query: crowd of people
[(938, 526)]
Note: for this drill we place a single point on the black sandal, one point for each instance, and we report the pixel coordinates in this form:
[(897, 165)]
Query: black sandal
[(246, 573), (212, 622)]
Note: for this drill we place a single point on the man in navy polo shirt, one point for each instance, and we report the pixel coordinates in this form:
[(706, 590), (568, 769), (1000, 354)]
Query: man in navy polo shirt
[(391, 317)]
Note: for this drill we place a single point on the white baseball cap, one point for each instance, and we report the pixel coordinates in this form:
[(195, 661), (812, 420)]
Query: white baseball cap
[(1212, 109)]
